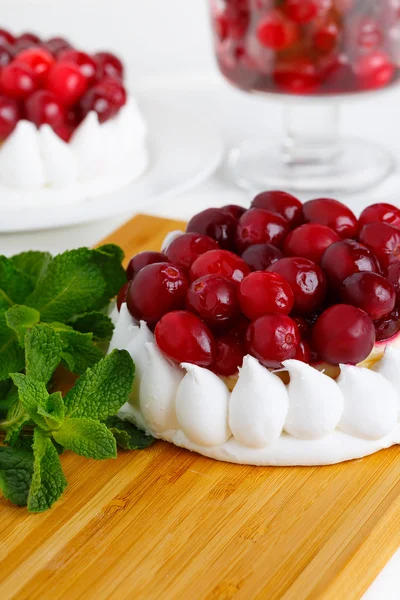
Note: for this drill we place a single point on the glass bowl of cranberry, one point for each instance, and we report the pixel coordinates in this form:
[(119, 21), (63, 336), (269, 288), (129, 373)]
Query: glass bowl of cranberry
[(311, 55)]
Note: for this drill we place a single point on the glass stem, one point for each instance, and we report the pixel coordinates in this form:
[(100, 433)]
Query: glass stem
[(311, 134)]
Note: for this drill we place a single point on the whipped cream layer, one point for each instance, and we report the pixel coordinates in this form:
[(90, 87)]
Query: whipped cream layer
[(314, 420), (37, 168)]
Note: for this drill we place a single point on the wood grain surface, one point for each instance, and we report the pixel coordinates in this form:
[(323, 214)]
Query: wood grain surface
[(168, 524)]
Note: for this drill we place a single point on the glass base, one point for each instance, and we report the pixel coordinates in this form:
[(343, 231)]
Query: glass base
[(353, 165)]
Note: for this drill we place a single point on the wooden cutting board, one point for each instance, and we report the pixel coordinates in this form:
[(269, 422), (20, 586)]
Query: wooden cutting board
[(168, 524)]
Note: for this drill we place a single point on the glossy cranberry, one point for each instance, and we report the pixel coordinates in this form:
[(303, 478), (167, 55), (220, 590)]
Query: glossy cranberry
[(143, 259), (85, 63), (282, 203), (296, 74), (108, 65), (217, 224), (326, 38), (388, 327), (303, 352), (6, 37), (301, 11), (310, 241), (229, 355), (346, 257), (122, 294), (5, 55), (380, 213), (333, 214), (18, 80), (183, 337), (374, 70), (307, 281), (304, 327), (234, 210), (343, 334), (156, 290), (393, 277), (366, 32), (259, 226), (44, 107), (20, 46), (370, 292), (9, 116), (32, 38), (219, 262), (277, 32), (383, 240), (214, 299), (186, 248), (64, 131), (262, 292), (261, 256), (56, 45), (272, 339), (106, 98), (39, 60), (66, 81)]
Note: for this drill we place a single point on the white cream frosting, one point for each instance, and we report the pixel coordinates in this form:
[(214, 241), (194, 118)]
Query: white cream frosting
[(389, 368), (37, 168)]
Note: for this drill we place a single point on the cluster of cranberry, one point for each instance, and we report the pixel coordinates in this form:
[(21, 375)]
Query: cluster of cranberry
[(281, 280), (308, 46), (51, 82)]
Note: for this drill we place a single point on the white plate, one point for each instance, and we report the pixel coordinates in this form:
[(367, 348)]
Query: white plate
[(184, 151)]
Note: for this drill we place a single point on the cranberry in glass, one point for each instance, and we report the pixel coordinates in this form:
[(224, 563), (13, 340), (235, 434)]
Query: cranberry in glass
[(343, 334), (375, 70), (261, 256), (122, 294), (326, 37), (184, 337), (66, 81), (272, 339), (234, 210), (219, 262), (370, 292), (44, 107), (283, 204), (259, 226), (214, 299), (383, 240), (156, 290), (296, 75), (229, 355), (333, 214), (85, 63), (380, 213), (301, 11), (6, 37), (388, 326), (105, 98), (5, 55), (217, 224), (141, 260), (186, 248), (277, 32), (262, 292), (307, 281), (310, 241), (39, 60), (108, 65), (18, 81), (9, 116)]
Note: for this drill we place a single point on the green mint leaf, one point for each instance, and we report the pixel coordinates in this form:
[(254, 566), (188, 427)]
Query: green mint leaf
[(43, 351), (16, 469), (14, 285), (103, 389), (21, 319), (11, 353), (72, 284), (15, 420), (33, 264), (48, 481), (87, 437), (32, 394), (54, 411), (79, 353), (113, 250), (97, 323), (113, 272), (127, 435)]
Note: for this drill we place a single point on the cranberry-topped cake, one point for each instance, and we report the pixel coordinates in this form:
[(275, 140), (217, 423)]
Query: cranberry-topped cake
[(269, 336), (69, 130)]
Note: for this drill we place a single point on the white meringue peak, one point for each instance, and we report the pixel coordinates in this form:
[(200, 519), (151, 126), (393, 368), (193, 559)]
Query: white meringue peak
[(60, 165), (21, 163)]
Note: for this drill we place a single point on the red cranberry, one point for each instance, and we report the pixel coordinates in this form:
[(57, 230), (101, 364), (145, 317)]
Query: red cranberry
[(261, 256), (105, 98), (5, 55), (303, 352), (304, 328), (237, 21), (214, 299), (186, 248), (346, 257), (9, 116), (310, 241), (343, 334), (367, 32), (393, 277), (259, 226), (307, 281), (122, 294), (333, 214), (18, 80), (262, 292), (301, 11), (234, 210), (383, 240), (64, 131), (219, 262), (66, 81), (44, 107), (380, 213), (183, 337), (156, 290), (326, 38), (374, 70), (296, 74), (32, 38), (388, 327), (6, 37), (370, 292), (85, 63), (39, 60), (217, 224), (143, 259), (286, 205), (272, 339), (229, 355), (108, 65), (277, 32), (56, 45)]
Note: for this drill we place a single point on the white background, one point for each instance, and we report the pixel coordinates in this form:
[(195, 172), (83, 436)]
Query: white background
[(166, 45)]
